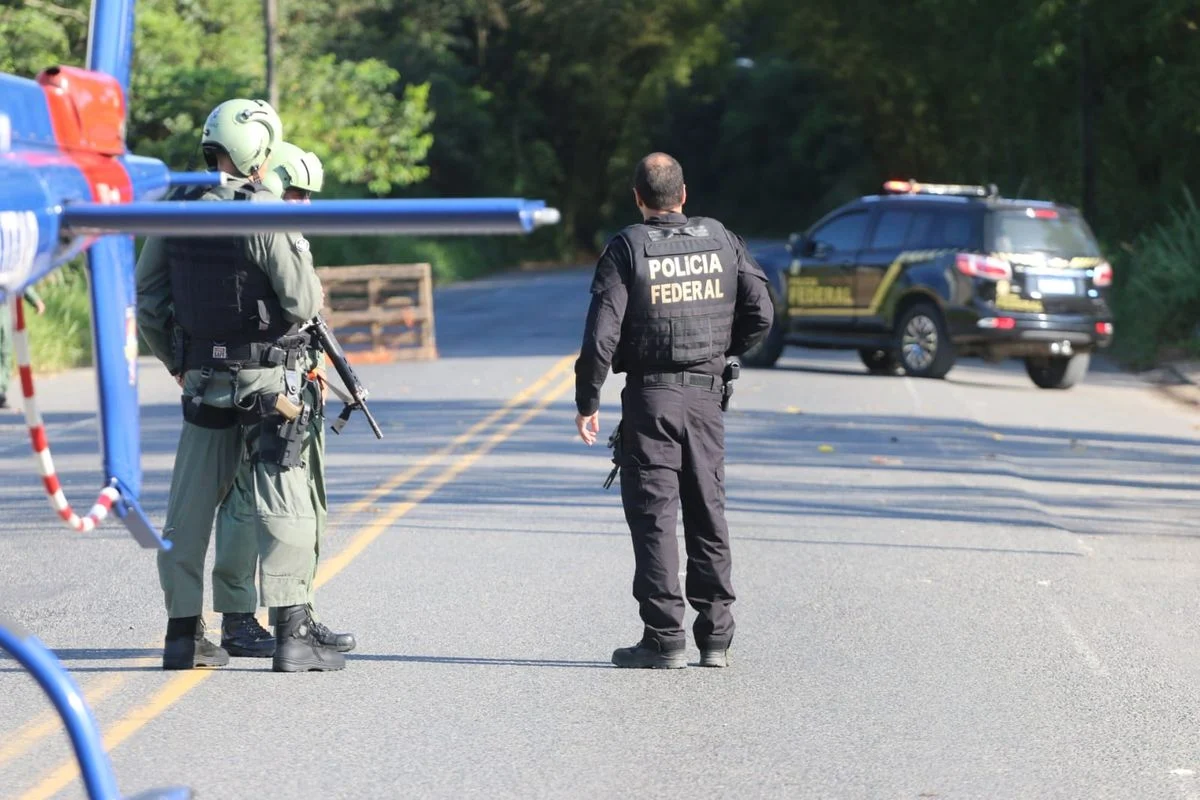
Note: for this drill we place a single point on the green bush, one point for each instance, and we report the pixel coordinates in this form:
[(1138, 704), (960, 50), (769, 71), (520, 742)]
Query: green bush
[(1156, 297), (451, 258), (61, 338)]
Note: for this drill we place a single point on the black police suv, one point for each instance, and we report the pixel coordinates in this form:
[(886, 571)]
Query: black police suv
[(925, 273)]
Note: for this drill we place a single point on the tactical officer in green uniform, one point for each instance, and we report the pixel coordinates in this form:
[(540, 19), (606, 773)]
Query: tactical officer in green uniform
[(295, 175), (6, 351), (222, 314)]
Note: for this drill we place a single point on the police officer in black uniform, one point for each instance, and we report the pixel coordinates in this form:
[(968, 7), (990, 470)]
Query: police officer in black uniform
[(674, 298)]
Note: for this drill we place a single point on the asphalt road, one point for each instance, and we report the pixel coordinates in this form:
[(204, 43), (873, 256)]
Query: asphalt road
[(967, 588)]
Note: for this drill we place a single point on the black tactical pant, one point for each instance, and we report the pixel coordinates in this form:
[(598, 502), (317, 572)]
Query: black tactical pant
[(673, 439)]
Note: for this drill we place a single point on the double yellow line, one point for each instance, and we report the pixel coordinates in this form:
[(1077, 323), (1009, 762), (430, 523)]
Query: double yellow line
[(178, 686)]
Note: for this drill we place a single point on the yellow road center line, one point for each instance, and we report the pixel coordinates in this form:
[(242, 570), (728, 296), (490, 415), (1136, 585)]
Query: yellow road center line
[(363, 538), (68, 771), (46, 724), (401, 478), (177, 687)]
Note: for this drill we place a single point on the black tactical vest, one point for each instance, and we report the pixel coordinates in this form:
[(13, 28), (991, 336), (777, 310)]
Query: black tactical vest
[(219, 293), (682, 294)]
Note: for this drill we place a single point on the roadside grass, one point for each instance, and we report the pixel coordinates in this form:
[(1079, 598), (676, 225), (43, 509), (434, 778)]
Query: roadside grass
[(1156, 292), (61, 338)]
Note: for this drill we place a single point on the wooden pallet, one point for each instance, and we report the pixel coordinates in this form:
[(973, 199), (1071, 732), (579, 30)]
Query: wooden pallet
[(381, 312)]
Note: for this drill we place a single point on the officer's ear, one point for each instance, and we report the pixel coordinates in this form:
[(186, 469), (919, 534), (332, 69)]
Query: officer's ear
[(637, 199), (683, 198)]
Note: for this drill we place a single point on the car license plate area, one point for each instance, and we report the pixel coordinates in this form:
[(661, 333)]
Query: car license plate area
[(1056, 286)]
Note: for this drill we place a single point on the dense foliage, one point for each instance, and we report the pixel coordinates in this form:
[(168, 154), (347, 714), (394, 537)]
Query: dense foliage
[(778, 109)]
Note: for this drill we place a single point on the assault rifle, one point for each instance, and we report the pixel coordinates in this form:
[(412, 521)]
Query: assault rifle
[(357, 398)]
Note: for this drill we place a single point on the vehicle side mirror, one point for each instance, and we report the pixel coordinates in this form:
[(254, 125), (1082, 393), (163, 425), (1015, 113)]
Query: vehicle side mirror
[(799, 245)]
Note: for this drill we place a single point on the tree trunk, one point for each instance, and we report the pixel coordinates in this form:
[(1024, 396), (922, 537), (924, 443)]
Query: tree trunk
[(270, 29), (1087, 143)]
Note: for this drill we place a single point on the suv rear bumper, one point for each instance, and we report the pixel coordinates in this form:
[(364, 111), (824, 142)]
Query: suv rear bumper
[(980, 331)]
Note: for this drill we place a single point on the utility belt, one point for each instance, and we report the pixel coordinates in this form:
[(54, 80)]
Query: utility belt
[(252, 355), (282, 417), (718, 384), (721, 384), (711, 383)]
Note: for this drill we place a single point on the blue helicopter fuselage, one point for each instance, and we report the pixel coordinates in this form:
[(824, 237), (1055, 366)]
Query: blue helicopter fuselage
[(44, 167)]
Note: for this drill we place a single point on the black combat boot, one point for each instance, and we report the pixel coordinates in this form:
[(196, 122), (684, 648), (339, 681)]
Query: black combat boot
[(241, 635), (652, 654), (342, 642), (186, 648), (296, 646)]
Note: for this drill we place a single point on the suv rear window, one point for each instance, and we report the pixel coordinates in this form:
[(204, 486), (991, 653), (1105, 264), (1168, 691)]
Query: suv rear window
[(957, 230), (940, 228), (1055, 233)]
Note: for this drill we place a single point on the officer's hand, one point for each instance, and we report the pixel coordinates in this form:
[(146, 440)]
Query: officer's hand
[(588, 427), (39, 307), (179, 380)]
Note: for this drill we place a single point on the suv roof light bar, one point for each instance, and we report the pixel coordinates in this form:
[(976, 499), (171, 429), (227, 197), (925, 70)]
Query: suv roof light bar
[(960, 189)]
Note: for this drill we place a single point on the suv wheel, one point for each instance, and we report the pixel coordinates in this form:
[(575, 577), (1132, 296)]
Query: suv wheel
[(879, 362), (1057, 372), (768, 351), (924, 343)]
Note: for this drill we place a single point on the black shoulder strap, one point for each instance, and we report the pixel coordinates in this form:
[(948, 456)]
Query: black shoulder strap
[(247, 190)]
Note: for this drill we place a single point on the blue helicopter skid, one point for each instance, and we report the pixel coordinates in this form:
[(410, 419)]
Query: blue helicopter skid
[(64, 694), (139, 525)]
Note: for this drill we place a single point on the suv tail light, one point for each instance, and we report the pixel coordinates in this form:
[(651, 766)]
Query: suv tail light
[(1103, 274), (987, 267)]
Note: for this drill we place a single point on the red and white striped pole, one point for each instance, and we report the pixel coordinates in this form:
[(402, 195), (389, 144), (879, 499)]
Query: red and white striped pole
[(37, 435)]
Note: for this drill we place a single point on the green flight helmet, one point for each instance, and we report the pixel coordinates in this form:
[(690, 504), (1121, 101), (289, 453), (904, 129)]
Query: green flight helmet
[(272, 183), (297, 169), (246, 130)]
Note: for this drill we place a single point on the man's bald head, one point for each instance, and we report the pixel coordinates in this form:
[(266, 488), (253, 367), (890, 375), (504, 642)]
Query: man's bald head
[(658, 181)]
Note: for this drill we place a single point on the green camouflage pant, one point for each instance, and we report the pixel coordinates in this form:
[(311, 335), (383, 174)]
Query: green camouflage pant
[(214, 470), (237, 540), (205, 462)]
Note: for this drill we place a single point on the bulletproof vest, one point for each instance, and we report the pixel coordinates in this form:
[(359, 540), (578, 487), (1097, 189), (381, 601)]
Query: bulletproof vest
[(682, 294), (218, 292)]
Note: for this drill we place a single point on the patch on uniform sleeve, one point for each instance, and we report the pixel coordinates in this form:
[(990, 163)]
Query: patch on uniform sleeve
[(299, 243)]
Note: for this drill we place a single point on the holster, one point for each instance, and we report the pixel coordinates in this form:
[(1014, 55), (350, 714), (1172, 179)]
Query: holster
[(733, 369), (614, 443), (281, 440), (179, 347), (281, 426)]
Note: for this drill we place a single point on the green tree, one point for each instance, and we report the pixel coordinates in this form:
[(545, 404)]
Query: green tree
[(345, 111), (37, 34)]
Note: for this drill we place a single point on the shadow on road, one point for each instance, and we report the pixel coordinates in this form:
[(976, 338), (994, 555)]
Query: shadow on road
[(862, 466), (479, 661), (100, 654), (1102, 372), (805, 466)]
